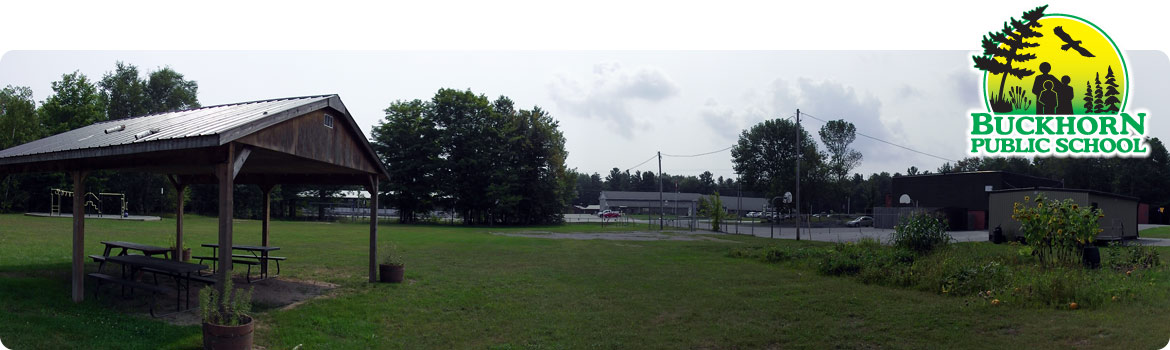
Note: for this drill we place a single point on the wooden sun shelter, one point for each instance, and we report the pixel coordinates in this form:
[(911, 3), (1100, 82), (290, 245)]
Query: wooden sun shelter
[(309, 140)]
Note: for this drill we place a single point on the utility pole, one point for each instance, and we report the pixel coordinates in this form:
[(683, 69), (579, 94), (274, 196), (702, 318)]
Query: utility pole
[(661, 206), (798, 156), (738, 204)]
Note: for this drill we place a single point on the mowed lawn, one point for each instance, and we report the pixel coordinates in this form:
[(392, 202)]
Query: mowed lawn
[(468, 289)]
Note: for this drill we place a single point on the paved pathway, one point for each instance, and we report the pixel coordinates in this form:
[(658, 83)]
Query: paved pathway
[(843, 234)]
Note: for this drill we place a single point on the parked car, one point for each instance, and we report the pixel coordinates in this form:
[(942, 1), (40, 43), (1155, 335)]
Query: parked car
[(860, 221), (611, 214), (603, 212), (753, 214)]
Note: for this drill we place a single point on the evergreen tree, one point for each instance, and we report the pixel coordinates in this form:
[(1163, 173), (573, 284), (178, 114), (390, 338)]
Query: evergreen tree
[(1014, 37), (1111, 101), (1088, 97), (1098, 104)]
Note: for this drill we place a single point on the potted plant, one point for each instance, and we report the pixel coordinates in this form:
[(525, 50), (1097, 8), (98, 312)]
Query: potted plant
[(226, 323), (392, 269), (185, 255)]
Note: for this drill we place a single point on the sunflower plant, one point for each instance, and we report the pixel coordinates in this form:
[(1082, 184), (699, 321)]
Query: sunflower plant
[(1056, 231)]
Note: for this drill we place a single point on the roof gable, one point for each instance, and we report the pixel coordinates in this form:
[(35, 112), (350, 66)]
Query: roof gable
[(120, 141)]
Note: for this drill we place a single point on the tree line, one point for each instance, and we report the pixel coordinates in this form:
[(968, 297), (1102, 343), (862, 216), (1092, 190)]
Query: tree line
[(78, 101), (486, 159), (590, 186), (765, 157)]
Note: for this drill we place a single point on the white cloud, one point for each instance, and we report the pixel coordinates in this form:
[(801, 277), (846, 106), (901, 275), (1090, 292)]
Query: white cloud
[(611, 94)]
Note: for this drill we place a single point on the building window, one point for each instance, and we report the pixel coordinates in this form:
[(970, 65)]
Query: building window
[(329, 121)]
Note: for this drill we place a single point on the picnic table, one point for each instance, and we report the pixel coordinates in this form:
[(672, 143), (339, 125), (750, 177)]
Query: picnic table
[(147, 250), (258, 253), (179, 271)]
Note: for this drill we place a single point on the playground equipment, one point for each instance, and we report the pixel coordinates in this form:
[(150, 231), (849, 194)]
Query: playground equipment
[(96, 203)]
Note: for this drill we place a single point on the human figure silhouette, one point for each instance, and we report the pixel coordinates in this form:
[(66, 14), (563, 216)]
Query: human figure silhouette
[(1065, 92), (1038, 87), (1047, 101)]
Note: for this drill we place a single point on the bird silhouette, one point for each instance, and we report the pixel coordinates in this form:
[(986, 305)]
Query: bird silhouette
[(1069, 43)]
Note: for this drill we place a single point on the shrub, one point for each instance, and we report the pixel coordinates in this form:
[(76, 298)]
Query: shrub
[(712, 207), (1056, 231), (921, 233), (1132, 257), (230, 311), (391, 255), (983, 272)]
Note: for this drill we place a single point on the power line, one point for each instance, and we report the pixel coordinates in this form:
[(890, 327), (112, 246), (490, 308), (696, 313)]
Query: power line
[(690, 155), (712, 152), (886, 142), (643, 162), (697, 155)]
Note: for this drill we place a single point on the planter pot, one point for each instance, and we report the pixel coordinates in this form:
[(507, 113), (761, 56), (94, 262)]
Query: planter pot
[(1091, 257), (185, 256), (228, 337), (390, 273)]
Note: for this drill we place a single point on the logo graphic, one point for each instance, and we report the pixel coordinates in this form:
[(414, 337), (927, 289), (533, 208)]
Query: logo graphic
[(1054, 85)]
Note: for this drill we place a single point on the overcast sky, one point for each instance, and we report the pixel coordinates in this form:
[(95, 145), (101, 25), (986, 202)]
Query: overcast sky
[(618, 108)]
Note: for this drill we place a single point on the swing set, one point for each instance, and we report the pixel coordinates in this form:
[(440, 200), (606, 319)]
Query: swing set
[(56, 196)]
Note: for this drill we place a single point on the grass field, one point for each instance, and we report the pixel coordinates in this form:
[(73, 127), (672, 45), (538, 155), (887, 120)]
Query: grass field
[(1157, 232), (470, 289)]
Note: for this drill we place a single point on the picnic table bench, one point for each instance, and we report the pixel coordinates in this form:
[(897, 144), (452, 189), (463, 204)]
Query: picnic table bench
[(132, 265), (259, 256), (154, 289), (147, 250)]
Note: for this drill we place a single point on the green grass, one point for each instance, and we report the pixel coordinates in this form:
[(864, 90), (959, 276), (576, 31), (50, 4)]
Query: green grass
[(470, 289), (1157, 232)]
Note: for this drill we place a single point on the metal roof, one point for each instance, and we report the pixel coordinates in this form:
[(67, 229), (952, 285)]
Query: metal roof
[(650, 199), (192, 123), (1077, 190), (124, 140)]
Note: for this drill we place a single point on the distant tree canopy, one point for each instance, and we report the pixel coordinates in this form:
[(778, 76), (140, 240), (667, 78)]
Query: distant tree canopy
[(489, 161), (765, 157), (76, 102)]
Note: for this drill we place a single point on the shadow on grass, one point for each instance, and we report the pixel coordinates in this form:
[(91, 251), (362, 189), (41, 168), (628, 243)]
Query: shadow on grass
[(39, 314)]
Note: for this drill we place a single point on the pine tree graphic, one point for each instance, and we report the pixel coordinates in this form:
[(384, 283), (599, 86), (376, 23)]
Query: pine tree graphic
[(1098, 105), (1013, 38), (1088, 97), (1111, 93)]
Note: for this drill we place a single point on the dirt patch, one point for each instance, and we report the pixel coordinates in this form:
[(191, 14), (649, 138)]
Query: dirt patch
[(616, 236), (277, 293)]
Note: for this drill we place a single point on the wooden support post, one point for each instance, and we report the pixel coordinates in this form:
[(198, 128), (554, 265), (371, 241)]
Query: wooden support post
[(226, 173), (180, 191), (78, 272), (373, 188), (266, 212), (266, 191)]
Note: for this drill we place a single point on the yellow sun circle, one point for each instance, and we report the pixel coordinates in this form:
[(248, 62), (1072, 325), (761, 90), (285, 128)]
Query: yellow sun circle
[(1074, 49)]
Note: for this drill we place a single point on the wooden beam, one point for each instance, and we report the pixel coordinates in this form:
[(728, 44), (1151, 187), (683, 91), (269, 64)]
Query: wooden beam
[(240, 158), (223, 271), (78, 271), (372, 186)]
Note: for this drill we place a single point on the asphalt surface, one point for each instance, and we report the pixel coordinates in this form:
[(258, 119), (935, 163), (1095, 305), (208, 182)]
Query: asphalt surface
[(828, 234)]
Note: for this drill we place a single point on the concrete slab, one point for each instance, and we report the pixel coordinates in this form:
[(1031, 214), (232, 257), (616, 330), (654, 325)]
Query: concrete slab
[(96, 216)]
